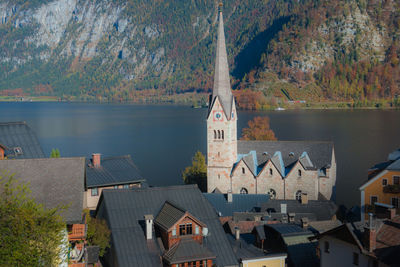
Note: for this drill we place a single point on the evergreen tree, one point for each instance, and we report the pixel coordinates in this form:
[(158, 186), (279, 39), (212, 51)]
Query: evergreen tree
[(55, 153)]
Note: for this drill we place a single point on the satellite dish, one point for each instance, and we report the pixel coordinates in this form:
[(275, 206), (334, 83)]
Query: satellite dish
[(205, 231)]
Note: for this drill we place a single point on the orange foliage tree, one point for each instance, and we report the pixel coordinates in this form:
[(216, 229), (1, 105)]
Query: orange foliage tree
[(258, 130)]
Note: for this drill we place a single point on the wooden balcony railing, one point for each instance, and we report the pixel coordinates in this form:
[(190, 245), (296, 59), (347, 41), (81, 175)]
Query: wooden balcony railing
[(393, 189), (77, 232), (80, 264)]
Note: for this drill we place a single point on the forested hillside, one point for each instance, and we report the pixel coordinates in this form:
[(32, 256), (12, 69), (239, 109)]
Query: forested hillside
[(279, 50)]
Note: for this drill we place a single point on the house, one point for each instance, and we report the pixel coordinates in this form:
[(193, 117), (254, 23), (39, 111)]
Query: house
[(291, 239), (282, 169), (163, 226), (376, 243), (56, 182), (383, 186), (107, 173), (18, 141)]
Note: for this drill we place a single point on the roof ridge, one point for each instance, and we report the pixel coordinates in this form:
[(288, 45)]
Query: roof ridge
[(14, 123)]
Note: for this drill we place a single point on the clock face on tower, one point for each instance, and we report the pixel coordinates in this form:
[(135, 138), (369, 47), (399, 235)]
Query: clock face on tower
[(217, 116)]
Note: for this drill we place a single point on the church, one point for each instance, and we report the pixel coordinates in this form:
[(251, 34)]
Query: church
[(282, 169)]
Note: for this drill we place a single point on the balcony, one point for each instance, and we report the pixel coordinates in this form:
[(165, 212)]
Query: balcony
[(392, 189), (77, 232), (80, 264)]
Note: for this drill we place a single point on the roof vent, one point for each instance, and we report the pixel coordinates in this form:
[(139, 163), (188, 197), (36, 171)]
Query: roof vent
[(18, 150)]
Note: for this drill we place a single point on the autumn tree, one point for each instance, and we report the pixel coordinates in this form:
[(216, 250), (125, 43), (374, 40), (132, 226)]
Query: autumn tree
[(197, 173), (258, 130), (30, 235)]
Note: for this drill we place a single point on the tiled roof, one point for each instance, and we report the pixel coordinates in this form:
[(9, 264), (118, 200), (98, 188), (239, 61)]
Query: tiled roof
[(313, 154), (168, 216), (112, 171), (395, 166), (187, 250), (322, 226), (53, 182), (124, 211), (240, 202), (20, 140)]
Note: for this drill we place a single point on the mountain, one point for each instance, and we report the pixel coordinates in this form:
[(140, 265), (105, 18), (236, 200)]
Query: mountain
[(129, 49)]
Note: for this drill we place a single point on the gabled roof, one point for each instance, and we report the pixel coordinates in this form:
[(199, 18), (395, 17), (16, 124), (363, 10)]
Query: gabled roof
[(170, 214), (222, 86), (112, 171), (124, 211), (284, 154), (395, 166), (53, 182), (187, 250), (240, 202), (20, 140)]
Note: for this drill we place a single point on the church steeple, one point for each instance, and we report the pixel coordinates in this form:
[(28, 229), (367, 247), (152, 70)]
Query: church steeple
[(222, 86)]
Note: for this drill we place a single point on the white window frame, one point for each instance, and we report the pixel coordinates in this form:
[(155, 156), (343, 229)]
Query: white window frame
[(94, 190)]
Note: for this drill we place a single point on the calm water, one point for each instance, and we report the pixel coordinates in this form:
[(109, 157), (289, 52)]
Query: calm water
[(162, 139)]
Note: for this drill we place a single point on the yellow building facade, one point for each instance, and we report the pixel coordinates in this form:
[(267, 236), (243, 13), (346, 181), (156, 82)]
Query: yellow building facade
[(275, 260)]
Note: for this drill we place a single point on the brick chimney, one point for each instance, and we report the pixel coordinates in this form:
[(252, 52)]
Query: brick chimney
[(149, 226), (370, 235), (96, 159)]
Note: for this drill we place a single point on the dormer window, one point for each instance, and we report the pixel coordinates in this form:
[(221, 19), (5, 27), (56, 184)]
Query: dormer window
[(182, 229)]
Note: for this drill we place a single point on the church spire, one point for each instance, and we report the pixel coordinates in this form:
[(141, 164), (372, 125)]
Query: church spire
[(222, 86)]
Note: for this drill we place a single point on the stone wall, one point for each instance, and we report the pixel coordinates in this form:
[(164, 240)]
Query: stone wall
[(266, 181), (307, 182)]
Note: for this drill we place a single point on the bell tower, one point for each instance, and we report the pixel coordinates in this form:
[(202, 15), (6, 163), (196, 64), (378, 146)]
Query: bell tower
[(221, 121)]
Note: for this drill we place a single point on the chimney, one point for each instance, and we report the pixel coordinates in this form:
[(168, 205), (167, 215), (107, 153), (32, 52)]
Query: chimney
[(392, 213), (96, 158), (370, 235), (149, 226), (304, 198), (291, 217), (237, 233), (229, 197), (257, 218), (283, 208), (304, 223)]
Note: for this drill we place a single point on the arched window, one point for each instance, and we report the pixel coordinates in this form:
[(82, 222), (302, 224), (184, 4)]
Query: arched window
[(243, 170), (299, 173), (244, 191), (219, 154), (215, 134), (270, 171), (219, 134), (222, 134), (271, 193), (298, 195)]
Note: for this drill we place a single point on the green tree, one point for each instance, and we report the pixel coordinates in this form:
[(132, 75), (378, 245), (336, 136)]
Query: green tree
[(30, 235), (55, 153), (258, 130), (197, 173), (98, 233)]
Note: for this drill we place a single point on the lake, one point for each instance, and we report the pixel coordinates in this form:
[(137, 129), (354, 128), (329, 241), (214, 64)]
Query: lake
[(162, 139)]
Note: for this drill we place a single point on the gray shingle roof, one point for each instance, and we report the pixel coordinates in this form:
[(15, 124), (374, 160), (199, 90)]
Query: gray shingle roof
[(169, 215), (316, 210), (240, 202), (395, 166), (319, 153), (112, 171), (124, 211), (53, 182), (187, 250), (15, 135)]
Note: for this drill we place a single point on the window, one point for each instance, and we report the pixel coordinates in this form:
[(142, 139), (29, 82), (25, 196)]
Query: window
[(192, 264), (355, 258), (95, 192), (299, 173), (243, 171), (270, 171), (326, 247), (215, 134), (126, 186), (174, 232), (222, 134), (395, 202), (201, 264), (219, 176), (373, 200), (182, 229), (197, 230), (384, 181), (298, 195), (272, 193), (189, 229), (219, 134), (244, 191), (396, 179)]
